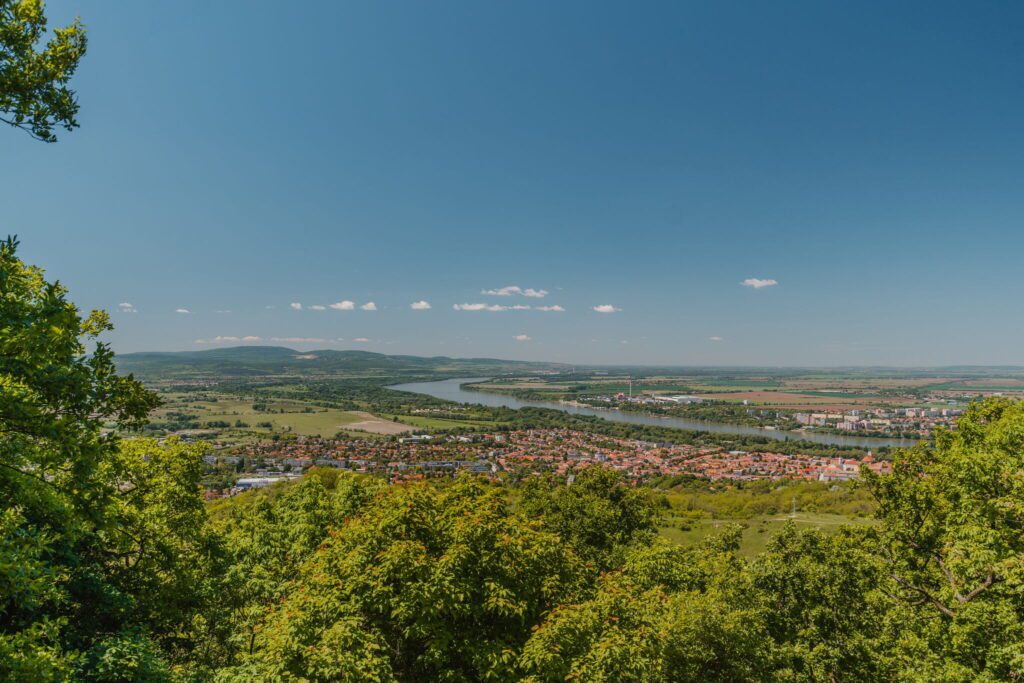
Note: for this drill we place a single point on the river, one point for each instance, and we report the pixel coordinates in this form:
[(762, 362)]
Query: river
[(451, 390)]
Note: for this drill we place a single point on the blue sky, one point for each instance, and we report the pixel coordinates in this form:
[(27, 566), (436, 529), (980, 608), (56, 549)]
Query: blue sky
[(244, 156)]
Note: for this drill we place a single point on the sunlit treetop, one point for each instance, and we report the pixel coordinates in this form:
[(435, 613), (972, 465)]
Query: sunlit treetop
[(35, 67)]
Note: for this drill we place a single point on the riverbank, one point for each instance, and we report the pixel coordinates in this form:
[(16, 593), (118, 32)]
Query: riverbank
[(454, 390)]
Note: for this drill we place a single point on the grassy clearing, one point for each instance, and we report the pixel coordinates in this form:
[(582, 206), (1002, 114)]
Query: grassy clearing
[(694, 511), (757, 530)]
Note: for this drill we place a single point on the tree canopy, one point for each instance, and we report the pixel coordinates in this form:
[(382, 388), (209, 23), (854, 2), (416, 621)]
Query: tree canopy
[(35, 69), (100, 536), (112, 567)]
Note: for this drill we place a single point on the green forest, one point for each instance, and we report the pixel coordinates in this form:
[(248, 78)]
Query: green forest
[(112, 568)]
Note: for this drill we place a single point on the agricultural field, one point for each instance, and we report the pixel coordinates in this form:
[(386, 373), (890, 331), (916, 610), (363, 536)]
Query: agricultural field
[(298, 417), (786, 400), (783, 390)]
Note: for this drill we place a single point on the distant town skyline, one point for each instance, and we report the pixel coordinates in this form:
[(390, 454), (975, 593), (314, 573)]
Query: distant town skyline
[(751, 184)]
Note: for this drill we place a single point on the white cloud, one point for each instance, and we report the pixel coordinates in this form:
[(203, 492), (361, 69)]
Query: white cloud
[(222, 339), (715, 339), (758, 283), (182, 310), (555, 309), (298, 340), (479, 307), (361, 340), (512, 289), (606, 308), (126, 307), (223, 310), (494, 308), (317, 307), (344, 306), (369, 306), (295, 306), (420, 305), (523, 337)]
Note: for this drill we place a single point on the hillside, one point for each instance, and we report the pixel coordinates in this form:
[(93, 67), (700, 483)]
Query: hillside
[(268, 361)]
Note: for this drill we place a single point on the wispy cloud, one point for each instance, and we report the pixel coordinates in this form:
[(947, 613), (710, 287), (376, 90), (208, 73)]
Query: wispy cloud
[(513, 290), (758, 283), (420, 306), (125, 307), (479, 307), (502, 291), (344, 306), (554, 309), (223, 310), (494, 308), (296, 306), (361, 340), (219, 339), (369, 306), (523, 337), (298, 340), (715, 339), (182, 310), (606, 308), (317, 307)]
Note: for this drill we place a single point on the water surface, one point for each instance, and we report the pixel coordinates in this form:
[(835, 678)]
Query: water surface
[(451, 390)]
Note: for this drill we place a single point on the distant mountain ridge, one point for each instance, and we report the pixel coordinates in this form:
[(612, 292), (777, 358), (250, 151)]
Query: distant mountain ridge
[(255, 361)]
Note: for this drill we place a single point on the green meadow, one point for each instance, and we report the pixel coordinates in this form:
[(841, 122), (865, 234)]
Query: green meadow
[(757, 531)]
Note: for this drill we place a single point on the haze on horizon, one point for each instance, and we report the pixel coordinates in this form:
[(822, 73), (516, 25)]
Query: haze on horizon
[(793, 184)]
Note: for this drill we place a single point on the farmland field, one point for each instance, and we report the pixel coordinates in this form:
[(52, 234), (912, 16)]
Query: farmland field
[(280, 415), (835, 390)]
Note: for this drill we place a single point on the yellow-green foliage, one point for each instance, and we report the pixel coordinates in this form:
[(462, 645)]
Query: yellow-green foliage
[(723, 500), (33, 78), (111, 568)]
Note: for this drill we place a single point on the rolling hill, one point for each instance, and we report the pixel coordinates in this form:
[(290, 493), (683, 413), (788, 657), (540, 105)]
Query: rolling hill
[(268, 361)]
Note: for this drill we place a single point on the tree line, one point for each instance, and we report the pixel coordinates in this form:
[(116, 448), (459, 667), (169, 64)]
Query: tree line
[(113, 569)]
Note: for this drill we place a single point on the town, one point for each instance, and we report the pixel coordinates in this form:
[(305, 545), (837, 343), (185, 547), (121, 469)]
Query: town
[(919, 421), (869, 421), (518, 454)]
